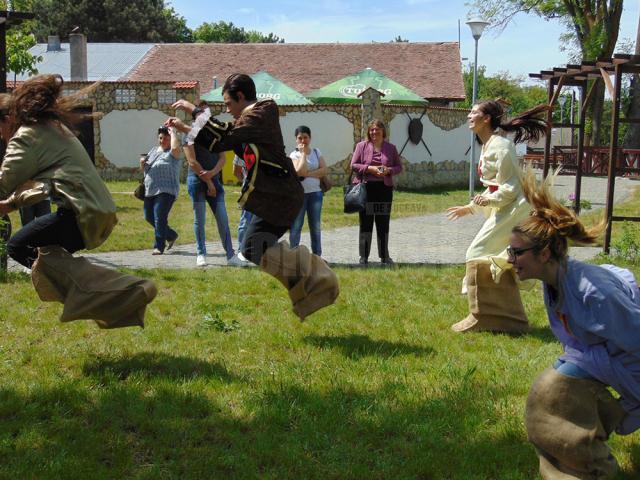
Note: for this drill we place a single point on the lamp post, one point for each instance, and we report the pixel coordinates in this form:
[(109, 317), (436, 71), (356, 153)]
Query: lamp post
[(561, 100), (477, 26)]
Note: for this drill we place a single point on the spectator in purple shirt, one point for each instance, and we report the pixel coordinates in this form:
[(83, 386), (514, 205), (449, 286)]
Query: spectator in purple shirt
[(376, 161)]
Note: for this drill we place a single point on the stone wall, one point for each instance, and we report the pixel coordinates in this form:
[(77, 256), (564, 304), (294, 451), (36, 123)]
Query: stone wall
[(440, 159), (132, 96)]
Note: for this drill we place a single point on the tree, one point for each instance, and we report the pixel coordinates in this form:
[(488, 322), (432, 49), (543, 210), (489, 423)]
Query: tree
[(19, 60), (520, 97), (109, 20), (223, 32), (593, 25)]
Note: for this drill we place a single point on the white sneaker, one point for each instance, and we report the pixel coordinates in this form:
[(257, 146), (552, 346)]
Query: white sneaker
[(236, 261), (201, 261), (241, 257)]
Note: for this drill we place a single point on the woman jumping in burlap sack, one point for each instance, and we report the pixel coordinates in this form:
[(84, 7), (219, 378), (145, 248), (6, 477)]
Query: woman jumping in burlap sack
[(489, 281), (594, 311), (43, 154)]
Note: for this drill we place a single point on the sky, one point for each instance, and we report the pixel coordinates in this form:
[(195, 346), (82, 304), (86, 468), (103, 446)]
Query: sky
[(528, 44)]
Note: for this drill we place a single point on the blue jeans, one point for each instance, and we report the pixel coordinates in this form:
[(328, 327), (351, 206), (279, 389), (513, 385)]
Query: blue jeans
[(28, 214), (58, 228), (156, 212), (313, 208), (245, 219), (198, 192)]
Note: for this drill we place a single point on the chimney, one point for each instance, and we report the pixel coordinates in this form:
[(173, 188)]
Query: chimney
[(78, 55), (53, 43)]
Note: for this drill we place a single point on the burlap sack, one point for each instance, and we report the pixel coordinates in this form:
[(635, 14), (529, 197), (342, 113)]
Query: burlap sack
[(569, 421), (88, 291)]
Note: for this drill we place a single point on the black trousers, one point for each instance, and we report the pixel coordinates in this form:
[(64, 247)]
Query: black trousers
[(59, 228), (260, 235), (378, 211)]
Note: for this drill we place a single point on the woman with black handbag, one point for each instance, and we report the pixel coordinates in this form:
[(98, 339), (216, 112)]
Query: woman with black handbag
[(376, 162)]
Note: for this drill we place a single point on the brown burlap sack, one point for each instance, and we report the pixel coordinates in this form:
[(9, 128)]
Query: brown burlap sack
[(495, 307), (311, 283), (88, 291), (569, 420)]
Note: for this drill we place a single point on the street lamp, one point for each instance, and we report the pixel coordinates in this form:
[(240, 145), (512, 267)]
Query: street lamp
[(561, 100), (477, 26)]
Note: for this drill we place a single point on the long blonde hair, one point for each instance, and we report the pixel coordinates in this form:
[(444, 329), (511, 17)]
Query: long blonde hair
[(550, 223)]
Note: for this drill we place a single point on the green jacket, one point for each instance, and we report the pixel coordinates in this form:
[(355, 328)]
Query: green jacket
[(52, 155)]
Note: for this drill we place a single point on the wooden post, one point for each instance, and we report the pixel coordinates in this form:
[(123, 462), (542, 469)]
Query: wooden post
[(580, 150), (547, 138), (613, 151)]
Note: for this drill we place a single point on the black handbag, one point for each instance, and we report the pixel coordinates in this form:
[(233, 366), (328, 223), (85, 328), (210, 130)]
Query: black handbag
[(139, 191), (355, 196)]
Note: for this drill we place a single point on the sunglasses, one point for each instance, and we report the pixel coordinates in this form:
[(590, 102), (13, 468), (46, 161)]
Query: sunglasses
[(516, 252)]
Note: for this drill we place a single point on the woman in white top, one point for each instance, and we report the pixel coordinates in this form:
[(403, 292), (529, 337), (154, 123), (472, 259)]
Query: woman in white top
[(310, 167), (494, 298)]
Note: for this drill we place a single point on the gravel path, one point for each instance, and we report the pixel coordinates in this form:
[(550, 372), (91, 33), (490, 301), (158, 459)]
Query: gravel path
[(428, 239)]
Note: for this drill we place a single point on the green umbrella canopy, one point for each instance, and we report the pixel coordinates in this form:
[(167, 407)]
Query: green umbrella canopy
[(346, 90), (267, 86)]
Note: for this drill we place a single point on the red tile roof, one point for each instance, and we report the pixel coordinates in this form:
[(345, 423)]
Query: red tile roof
[(432, 70), (186, 84)]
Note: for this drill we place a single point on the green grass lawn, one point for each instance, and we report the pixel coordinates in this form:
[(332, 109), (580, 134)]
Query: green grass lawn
[(225, 382)]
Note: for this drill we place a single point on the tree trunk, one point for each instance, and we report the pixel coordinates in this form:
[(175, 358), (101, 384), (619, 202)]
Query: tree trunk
[(632, 137)]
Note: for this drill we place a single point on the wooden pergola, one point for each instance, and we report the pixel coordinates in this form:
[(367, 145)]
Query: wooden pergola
[(578, 76)]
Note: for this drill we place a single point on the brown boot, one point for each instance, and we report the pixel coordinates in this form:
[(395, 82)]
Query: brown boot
[(494, 307), (311, 283), (88, 291)]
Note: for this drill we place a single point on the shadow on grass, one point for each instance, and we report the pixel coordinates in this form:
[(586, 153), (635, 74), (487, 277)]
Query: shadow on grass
[(149, 429), (359, 346), (139, 430), (542, 333), (156, 365), (126, 209)]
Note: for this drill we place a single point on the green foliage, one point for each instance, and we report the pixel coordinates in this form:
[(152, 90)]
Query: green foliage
[(592, 26), (110, 20), (627, 246), (19, 60), (215, 322), (522, 97), (227, 32)]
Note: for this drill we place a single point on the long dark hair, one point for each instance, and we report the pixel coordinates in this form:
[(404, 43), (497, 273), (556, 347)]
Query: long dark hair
[(39, 100), (527, 126)]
